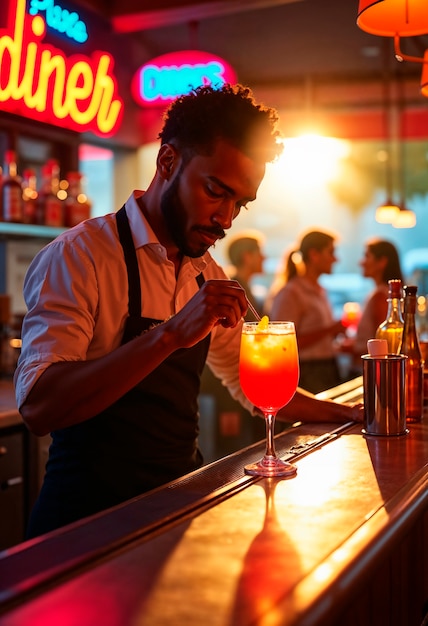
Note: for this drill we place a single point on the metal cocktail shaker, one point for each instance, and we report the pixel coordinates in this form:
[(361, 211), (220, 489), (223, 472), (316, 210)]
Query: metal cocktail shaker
[(384, 384)]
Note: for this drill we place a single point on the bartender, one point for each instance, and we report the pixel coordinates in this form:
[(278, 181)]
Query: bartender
[(124, 310)]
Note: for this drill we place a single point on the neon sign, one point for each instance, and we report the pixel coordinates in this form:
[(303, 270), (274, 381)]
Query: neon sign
[(38, 81), (175, 74), (60, 19)]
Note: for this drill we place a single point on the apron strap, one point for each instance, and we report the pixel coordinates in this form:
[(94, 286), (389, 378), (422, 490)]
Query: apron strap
[(134, 287), (200, 280)]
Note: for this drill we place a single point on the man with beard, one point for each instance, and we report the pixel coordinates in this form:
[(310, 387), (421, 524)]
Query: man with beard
[(124, 310)]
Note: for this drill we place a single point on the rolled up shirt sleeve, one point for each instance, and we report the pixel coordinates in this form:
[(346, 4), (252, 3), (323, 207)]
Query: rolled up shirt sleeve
[(61, 292)]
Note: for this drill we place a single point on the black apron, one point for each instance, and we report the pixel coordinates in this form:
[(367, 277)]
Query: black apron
[(145, 439)]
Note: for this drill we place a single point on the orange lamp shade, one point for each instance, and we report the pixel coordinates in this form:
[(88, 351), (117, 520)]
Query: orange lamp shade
[(388, 18)]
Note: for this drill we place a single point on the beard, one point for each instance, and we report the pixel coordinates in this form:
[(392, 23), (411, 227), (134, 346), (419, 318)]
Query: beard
[(174, 214)]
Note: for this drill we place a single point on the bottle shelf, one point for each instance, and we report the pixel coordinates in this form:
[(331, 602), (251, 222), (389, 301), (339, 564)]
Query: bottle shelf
[(29, 231)]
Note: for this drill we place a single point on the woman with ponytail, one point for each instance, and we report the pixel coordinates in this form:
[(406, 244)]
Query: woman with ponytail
[(304, 301)]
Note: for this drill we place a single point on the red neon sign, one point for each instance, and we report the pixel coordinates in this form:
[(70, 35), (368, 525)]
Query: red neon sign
[(38, 81), (171, 75)]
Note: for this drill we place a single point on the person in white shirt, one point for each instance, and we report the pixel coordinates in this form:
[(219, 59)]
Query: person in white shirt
[(124, 310)]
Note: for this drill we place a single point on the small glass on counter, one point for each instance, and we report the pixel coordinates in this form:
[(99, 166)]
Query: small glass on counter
[(351, 315)]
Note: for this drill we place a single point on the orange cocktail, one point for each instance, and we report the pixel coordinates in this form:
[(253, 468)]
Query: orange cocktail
[(269, 369), (269, 373)]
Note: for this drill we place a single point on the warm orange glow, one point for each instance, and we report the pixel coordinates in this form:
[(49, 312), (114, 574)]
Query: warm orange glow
[(351, 315), (405, 218), (311, 159), (386, 213), (406, 18)]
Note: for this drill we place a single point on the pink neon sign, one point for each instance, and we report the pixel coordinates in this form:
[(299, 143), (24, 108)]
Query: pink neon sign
[(170, 75)]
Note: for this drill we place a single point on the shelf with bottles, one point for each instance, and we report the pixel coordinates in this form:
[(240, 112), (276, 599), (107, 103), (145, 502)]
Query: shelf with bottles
[(55, 204)]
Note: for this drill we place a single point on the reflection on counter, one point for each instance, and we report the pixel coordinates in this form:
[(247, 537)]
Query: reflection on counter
[(343, 543)]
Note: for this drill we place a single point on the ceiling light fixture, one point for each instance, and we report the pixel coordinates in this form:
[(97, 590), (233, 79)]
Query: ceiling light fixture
[(387, 212), (404, 218), (396, 19), (388, 18)]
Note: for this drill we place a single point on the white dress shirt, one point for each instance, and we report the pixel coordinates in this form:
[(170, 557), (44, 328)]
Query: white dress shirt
[(76, 292)]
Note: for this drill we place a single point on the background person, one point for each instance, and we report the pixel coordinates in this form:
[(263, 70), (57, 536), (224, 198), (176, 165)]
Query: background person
[(123, 311), (381, 263), (304, 301)]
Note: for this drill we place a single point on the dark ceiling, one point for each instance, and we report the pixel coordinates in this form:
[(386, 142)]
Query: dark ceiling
[(268, 42)]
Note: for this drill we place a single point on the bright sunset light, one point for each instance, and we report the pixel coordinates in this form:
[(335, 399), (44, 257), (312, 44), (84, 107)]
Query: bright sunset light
[(311, 159)]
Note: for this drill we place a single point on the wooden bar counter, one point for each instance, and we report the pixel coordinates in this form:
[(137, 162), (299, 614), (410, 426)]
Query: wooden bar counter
[(345, 542)]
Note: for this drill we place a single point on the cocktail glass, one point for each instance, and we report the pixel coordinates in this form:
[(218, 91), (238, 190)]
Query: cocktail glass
[(351, 317), (269, 373)]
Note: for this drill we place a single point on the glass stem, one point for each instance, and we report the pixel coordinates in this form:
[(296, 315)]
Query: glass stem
[(270, 429)]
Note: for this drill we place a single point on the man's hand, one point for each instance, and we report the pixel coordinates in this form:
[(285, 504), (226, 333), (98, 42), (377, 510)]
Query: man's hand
[(217, 302)]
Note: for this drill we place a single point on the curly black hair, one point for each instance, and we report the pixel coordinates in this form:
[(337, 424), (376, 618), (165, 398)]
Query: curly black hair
[(196, 120)]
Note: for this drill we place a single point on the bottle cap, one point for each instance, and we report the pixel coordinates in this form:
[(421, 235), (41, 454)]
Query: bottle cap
[(410, 290), (394, 288), (377, 347)]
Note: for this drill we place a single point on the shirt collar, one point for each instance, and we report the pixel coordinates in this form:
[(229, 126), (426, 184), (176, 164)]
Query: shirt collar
[(143, 234)]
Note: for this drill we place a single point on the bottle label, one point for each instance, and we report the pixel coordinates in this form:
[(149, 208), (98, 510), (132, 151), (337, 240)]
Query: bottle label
[(392, 336), (53, 212), (76, 212), (414, 391), (29, 212)]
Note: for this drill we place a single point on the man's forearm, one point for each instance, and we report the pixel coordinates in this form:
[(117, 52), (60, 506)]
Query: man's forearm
[(71, 392)]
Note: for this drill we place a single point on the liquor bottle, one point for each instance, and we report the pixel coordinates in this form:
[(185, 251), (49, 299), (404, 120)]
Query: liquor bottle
[(415, 366), (392, 328), (77, 205), (50, 207), (11, 190), (29, 197), (423, 344)]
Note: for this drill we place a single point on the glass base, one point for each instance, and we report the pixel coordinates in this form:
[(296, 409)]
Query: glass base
[(271, 466)]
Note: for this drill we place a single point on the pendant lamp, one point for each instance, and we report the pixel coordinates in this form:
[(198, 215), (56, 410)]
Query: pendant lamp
[(397, 18), (404, 218), (387, 212), (388, 18)]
